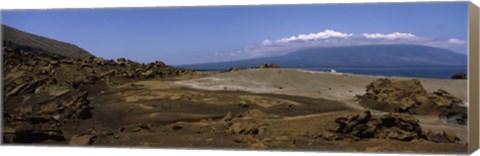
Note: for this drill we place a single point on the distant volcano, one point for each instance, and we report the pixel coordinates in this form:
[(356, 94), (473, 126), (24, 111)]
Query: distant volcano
[(355, 56)]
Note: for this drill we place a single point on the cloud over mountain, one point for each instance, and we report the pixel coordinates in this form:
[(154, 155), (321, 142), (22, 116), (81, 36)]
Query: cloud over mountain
[(326, 38), (391, 36), (327, 34), (455, 41)]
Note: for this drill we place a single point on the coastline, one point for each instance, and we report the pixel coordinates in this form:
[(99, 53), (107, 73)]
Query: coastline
[(433, 72), (342, 87), (300, 82)]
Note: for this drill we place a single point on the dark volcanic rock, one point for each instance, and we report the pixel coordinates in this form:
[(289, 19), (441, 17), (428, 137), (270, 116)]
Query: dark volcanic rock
[(272, 65), (409, 96), (26, 72), (389, 126), (461, 75), (235, 69), (249, 123), (71, 105), (45, 92), (41, 121), (248, 127), (26, 132), (446, 136), (79, 140), (395, 96)]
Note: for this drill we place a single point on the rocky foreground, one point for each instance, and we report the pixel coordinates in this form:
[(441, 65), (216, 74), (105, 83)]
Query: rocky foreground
[(43, 91), (92, 101), (409, 96)]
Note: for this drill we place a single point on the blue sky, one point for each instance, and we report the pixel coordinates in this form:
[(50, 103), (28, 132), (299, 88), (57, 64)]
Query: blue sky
[(184, 35)]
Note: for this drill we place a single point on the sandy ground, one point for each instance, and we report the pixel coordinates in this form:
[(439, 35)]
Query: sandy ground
[(314, 84), (184, 117), (274, 109), (335, 86)]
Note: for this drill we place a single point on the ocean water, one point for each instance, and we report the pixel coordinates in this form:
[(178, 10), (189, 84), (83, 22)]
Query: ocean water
[(419, 72)]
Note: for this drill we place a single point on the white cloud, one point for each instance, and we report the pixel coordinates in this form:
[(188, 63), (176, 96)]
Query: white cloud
[(391, 36), (327, 38), (267, 42), (314, 36), (455, 41)]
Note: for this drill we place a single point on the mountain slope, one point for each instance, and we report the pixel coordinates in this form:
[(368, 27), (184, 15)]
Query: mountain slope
[(37, 43), (355, 56)]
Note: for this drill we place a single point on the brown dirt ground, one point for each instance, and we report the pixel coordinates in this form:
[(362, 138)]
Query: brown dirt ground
[(168, 115)]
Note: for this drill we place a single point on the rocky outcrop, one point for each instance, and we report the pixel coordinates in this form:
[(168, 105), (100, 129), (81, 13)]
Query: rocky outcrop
[(27, 132), (389, 126), (41, 121), (271, 65), (248, 123), (254, 127), (409, 96), (81, 140), (235, 69), (461, 75), (27, 72), (45, 92)]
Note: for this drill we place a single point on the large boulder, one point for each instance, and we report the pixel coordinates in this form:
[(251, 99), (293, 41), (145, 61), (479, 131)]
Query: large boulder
[(72, 105), (38, 122), (24, 86), (271, 65), (396, 96), (409, 96), (250, 123), (27, 132), (461, 75), (389, 126), (249, 127)]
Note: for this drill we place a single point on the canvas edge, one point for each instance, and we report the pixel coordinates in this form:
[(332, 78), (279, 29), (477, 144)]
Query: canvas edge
[(1, 83), (473, 70), (473, 78)]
